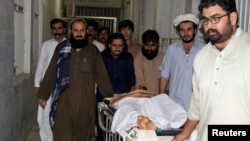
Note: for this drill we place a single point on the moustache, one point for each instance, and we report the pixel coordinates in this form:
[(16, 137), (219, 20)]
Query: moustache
[(186, 36), (79, 36), (57, 34), (211, 30)]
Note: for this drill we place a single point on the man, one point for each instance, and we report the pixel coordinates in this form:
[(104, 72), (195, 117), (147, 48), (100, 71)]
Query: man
[(103, 34), (70, 79), (119, 63), (126, 27), (148, 61), (177, 65), (221, 91), (120, 67), (58, 28), (92, 29)]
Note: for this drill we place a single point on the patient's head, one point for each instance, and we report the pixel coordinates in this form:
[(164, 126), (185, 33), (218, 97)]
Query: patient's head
[(138, 87)]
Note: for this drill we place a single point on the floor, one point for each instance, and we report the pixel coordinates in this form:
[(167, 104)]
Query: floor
[(34, 134)]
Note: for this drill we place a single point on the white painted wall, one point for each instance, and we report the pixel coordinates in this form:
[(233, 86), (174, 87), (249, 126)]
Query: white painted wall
[(149, 14), (51, 9), (98, 3)]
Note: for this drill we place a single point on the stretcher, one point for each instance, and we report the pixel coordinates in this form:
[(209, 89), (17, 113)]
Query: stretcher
[(105, 117)]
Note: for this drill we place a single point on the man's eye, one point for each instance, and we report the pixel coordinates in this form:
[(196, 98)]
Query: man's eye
[(214, 18)]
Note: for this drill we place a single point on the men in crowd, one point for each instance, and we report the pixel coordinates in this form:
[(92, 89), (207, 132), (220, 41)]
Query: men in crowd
[(91, 32), (120, 67), (103, 34), (70, 80), (126, 27), (177, 66), (58, 28), (221, 91), (148, 61)]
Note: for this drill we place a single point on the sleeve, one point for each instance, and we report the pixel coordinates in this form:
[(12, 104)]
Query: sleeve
[(48, 80), (139, 72), (165, 66), (102, 78), (131, 71), (40, 69), (193, 111)]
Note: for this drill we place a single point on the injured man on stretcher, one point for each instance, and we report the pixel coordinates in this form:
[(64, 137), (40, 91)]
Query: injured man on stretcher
[(145, 110)]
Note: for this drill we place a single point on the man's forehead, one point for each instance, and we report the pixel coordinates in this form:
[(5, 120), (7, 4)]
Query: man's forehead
[(150, 42), (212, 10), (127, 27), (91, 27)]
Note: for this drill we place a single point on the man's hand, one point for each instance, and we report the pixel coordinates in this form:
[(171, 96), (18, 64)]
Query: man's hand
[(42, 102), (179, 137), (36, 90)]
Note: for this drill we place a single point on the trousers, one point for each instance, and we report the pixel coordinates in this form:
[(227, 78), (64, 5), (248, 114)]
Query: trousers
[(45, 130)]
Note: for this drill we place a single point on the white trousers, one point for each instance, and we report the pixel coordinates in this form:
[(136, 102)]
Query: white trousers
[(45, 131)]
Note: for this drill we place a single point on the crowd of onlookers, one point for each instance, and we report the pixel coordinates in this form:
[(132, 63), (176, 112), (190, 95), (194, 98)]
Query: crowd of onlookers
[(208, 80)]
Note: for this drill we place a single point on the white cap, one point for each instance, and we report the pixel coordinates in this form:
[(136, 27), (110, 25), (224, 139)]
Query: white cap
[(185, 17)]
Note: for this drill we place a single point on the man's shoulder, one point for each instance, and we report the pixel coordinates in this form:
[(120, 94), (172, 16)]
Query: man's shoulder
[(136, 44), (99, 45), (92, 49), (129, 55), (62, 45), (48, 42), (199, 43), (160, 55), (139, 56), (173, 46)]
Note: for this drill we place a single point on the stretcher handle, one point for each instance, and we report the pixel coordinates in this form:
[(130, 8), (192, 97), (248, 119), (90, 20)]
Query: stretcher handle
[(104, 109)]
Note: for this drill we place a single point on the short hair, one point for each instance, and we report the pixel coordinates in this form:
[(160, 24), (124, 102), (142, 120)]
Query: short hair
[(227, 5), (150, 36), (195, 26), (126, 23), (103, 28), (117, 36), (92, 22), (78, 20), (56, 20)]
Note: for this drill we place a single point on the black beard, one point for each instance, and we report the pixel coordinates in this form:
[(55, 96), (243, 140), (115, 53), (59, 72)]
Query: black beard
[(221, 37), (188, 41), (78, 43), (149, 55)]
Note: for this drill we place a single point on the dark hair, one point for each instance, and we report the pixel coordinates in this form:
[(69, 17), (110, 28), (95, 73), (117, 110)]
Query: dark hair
[(92, 22), (227, 5), (55, 20), (195, 26), (150, 36), (126, 23), (116, 36), (103, 28), (78, 20)]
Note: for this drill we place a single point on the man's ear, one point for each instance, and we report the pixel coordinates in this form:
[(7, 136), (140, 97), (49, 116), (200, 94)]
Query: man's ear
[(234, 18)]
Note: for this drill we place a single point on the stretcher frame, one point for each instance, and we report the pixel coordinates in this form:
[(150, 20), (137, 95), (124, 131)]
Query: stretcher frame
[(105, 118)]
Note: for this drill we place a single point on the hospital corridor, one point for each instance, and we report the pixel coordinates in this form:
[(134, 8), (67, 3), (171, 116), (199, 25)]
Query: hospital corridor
[(28, 25)]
